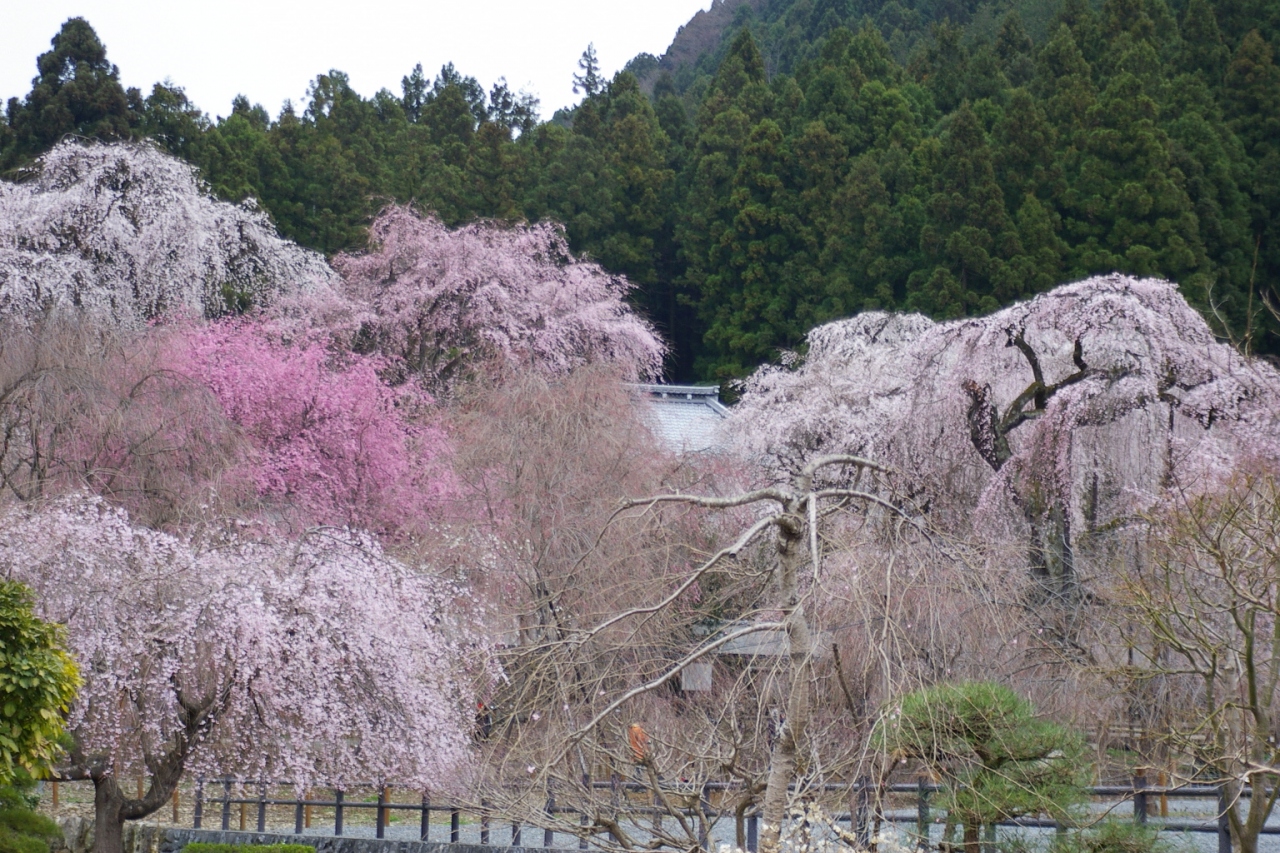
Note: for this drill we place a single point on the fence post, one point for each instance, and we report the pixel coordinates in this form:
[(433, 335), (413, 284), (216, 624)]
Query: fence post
[(657, 813), (337, 811), (515, 833), (425, 829), (198, 814), (262, 807), (455, 820), (306, 811), (1224, 822), (226, 805), (753, 832), (380, 821), (484, 821), (586, 784), (1140, 796), (176, 802), (922, 812), (861, 809), (704, 800), (548, 836), (54, 787)]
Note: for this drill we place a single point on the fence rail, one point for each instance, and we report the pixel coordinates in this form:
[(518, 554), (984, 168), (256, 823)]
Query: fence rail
[(866, 809)]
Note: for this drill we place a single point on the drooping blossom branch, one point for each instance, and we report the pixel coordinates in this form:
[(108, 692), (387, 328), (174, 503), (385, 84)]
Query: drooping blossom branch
[(442, 299), (319, 661), (126, 231)]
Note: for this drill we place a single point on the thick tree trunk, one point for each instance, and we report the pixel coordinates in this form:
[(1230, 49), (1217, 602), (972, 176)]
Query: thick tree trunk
[(790, 543), (111, 808), (1052, 560), (108, 815)]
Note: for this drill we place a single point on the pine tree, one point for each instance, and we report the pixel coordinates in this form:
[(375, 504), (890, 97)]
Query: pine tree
[(413, 88), (1202, 49), (1251, 96), (588, 82), (969, 231), (738, 102), (1127, 206), (77, 91)]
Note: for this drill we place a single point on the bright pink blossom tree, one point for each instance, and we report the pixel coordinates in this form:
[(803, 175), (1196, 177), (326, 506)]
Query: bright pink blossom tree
[(442, 299), (331, 438), (319, 661)]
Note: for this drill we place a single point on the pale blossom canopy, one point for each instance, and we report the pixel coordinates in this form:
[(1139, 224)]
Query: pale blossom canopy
[(319, 661), (1161, 400), (129, 232), (442, 298)]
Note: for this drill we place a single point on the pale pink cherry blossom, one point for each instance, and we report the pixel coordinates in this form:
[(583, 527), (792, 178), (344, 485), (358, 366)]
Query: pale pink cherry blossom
[(1136, 395), (441, 300), (316, 661)]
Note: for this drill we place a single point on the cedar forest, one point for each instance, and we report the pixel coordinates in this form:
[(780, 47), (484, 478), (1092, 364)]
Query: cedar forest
[(806, 160), (322, 457)]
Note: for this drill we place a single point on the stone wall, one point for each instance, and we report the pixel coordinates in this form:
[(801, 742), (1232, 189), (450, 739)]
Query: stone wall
[(146, 838)]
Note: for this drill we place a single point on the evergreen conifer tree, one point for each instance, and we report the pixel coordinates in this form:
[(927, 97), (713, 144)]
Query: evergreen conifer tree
[(77, 91)]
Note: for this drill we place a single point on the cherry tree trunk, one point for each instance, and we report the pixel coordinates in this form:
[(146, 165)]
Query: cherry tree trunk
[(790, 543), (108, 815), (111, 808)]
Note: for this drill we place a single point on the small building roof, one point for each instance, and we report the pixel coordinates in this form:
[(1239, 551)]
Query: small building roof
[(686, 417)]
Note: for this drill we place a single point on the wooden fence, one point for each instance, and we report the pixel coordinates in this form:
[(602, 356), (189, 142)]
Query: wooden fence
[(218, 799)]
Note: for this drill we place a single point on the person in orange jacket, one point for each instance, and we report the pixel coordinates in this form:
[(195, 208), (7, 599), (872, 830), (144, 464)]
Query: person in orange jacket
[(638, 740)]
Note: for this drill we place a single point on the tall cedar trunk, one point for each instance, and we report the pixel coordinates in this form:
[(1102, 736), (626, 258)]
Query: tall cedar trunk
[(108, 815), (790, 543)]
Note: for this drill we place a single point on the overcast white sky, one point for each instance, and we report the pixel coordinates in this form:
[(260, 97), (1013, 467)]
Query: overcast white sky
[(269, 49)]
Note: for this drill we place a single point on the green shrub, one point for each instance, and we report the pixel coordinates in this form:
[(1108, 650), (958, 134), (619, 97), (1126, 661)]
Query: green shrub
[(201, 847), (27, 822), (20, 793), (1115, 836), (13, 842), (22, 830)]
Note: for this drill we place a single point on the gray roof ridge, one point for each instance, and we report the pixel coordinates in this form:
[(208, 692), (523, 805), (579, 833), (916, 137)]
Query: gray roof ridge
[(704, 395)]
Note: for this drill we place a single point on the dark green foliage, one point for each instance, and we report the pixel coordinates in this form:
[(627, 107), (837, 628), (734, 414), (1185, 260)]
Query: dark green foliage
[(77, 91), (1114, 836), (810, 159), (21, 829), (995, 758)]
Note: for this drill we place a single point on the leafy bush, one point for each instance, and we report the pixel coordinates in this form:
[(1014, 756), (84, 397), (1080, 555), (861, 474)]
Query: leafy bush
[(201, 847), (1115, 836), (22, 830)]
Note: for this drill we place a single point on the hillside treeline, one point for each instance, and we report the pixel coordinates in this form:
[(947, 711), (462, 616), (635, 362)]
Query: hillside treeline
[(822, 161)]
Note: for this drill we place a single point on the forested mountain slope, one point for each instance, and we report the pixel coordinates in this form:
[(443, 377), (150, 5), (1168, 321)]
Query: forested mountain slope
[(824, 158)]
